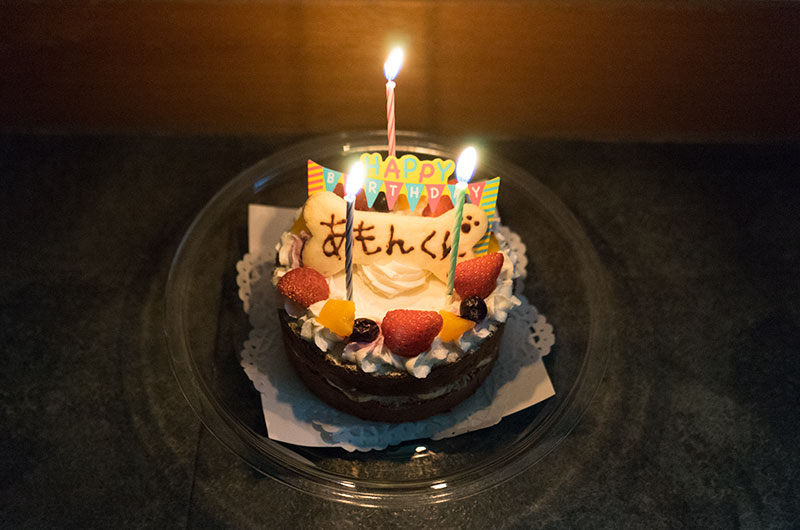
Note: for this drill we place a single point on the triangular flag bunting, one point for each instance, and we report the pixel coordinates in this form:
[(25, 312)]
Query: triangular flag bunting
[(489, 205), (331, 179), (393, 190), (413, 194), (452, 188), (489, 197), (371, 189), (434, 194), (315, 182), (475, 191)]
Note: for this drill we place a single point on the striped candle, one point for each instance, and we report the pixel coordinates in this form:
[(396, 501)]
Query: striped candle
[(348, 246), (352, 185), (464, 169), (390, 117), (390, 69), (460, 189)]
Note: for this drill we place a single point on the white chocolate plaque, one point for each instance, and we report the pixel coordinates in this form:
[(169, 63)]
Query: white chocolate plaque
[(423, 242)]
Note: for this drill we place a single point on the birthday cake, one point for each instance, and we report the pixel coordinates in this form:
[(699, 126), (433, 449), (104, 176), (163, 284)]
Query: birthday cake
[(399, 300), (378, 319)]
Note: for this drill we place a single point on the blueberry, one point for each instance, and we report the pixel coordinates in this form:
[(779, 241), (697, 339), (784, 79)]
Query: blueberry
[(364, 330), (473, 308)]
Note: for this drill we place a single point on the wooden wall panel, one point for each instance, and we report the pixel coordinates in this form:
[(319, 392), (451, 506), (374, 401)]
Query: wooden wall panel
[(597, 70)]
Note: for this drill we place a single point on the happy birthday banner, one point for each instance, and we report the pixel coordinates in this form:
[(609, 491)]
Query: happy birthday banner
[(413, 178)]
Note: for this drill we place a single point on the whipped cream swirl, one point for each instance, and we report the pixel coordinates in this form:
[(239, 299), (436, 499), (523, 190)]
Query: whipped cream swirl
[(393, 278), (375, 357)]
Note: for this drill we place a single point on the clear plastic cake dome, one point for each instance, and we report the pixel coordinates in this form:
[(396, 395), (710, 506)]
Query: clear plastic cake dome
[(207, 327)]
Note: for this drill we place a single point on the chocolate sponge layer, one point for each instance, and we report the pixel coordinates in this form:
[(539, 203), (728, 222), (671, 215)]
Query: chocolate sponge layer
[(393, 397)]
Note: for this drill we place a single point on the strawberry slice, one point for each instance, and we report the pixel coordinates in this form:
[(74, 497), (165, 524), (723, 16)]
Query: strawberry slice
[(478, 276), (409, 332), (304, 286)]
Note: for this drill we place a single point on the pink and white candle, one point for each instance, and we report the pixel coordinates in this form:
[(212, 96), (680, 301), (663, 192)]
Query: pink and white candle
[(390, 69)]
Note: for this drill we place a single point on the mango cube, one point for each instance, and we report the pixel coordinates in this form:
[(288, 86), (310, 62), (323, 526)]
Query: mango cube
[(338, 316), (494, 246), (299, 225), (454, 326)]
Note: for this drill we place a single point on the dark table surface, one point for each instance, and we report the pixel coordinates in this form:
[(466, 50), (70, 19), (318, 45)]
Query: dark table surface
[(695, 423)]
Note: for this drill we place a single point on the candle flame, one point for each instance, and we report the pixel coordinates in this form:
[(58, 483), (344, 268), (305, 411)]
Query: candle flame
[(466, 164), (355, 180), (392, 65)]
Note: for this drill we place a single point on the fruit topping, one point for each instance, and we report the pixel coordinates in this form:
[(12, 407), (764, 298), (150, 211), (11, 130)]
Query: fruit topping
[(494, 245), (401, 204), (478, 276), (364, 330), (473, 308), (409, 332), (304, 286), (299, 226), (338, 316), (361, 201), (444, 205), (454, 326)]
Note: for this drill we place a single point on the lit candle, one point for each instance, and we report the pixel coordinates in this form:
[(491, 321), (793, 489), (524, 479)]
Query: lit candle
[(464, 169), (352, 185), (390, 69)]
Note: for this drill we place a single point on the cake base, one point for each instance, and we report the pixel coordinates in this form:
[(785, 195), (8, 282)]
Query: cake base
[(394, 397)]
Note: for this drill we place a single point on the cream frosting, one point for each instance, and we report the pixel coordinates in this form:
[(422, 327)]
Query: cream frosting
[(313, 331), (379, 288), (392, 279)]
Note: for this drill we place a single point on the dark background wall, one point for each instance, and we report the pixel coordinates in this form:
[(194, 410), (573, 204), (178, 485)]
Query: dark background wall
[(633, 70)]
